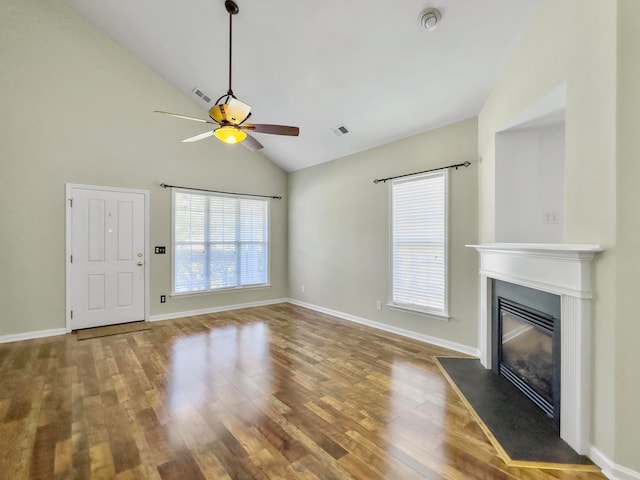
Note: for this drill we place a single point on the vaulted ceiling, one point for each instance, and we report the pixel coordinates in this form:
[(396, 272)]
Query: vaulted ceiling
[(367, 65)]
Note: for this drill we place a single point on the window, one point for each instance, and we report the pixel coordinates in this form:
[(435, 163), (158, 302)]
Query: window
[(219, 241), (419, 243)]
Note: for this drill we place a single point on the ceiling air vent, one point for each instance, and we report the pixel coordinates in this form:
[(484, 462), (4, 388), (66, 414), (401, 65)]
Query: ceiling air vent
[(201, 94), (340, 130)]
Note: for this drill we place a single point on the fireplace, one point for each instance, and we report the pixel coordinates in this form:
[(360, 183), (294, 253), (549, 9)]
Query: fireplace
[(563, 270), (526, 344)]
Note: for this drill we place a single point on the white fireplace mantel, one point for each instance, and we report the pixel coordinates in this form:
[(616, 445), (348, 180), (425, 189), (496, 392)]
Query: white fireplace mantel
[(564, 270)]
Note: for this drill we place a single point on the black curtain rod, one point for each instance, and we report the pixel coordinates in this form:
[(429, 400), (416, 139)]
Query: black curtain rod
[(456, 166), (165, 185)]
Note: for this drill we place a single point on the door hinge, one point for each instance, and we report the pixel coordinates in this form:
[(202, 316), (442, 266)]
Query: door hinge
[(71, 202), (71, 258), (71, 314)]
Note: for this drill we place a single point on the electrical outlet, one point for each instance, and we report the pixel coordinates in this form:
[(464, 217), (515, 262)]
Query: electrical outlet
[(378, 304), (163, 299), (161, 250), (302, 288)]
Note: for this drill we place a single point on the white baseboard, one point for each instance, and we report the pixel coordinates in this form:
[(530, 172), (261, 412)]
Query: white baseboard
[(153, 318), (31, 335), (223, 308), (612, 470), (391, 329)]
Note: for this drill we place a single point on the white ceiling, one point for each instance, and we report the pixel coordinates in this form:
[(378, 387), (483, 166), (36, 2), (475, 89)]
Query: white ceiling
[(368, 65)]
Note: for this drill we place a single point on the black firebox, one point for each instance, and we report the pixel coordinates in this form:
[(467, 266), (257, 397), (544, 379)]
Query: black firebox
[(526, 344)]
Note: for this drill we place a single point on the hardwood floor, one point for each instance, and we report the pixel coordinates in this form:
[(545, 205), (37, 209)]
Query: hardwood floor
[(277, 392)]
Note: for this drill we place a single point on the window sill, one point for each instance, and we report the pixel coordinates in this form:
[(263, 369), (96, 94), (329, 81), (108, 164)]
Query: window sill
[(425, 313), (220, 290)]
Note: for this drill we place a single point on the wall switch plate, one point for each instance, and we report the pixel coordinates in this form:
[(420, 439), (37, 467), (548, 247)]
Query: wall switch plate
[(550, 218), (161, 250), (163, 299)]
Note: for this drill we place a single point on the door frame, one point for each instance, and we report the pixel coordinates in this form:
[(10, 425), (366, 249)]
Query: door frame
[(67, 200)]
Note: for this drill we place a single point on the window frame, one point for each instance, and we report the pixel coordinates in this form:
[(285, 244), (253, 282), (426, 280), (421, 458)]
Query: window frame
[(440, 314), (210, 291)]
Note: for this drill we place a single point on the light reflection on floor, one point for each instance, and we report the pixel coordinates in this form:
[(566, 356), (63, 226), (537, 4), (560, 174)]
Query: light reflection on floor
[(417, 404), (214, 371)]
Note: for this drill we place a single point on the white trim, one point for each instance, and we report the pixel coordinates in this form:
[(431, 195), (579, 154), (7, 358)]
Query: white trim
[(222, 308), (67, 252), (236, 196), (391, 329), (439, 314), (612, 470), (417, 311), (68, 189), (219, 291), (17, 337), (560, 269), (447, 240)]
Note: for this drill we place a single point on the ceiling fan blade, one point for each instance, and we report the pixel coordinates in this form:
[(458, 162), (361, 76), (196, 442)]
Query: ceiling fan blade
[(184, 116), (202, 136), (237, 111), (272, 129), (251, 143)]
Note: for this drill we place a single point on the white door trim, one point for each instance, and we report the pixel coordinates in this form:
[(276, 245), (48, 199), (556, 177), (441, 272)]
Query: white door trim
[(68, 189)]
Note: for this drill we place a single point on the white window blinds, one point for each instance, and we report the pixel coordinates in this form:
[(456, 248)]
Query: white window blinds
[(219, 241), (419, 242)]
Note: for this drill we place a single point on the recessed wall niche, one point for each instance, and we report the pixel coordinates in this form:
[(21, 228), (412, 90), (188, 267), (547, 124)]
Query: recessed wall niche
[(530, 173)]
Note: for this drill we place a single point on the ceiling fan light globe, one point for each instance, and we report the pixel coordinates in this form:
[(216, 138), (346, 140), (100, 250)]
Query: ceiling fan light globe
[(230, 134)]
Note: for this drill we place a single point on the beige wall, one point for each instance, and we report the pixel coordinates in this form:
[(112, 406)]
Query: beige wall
[(339, 231), (628, 237), (76, 107), (575, 42)]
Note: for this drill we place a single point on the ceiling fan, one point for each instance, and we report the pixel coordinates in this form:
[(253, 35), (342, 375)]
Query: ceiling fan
[(230, 114)]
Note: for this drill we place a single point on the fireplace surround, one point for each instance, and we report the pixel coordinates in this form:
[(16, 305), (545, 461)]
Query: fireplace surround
[(563, 270)]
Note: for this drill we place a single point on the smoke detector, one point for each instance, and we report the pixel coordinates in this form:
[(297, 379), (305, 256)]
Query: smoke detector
[(430, 18)]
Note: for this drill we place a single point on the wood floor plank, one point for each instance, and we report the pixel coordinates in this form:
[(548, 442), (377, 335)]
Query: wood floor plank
[(268, 393), (15, 448), (101, 459), (126, 455), (63, 459)]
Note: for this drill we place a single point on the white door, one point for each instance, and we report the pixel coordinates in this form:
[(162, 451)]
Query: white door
[(107, 256)]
